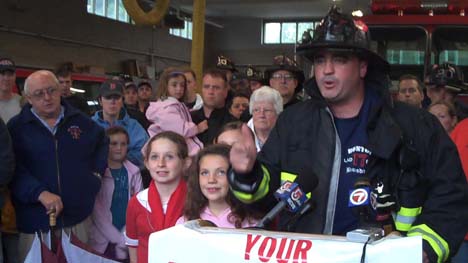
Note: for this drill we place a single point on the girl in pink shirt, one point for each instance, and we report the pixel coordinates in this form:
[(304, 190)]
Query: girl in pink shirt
[(120, 182), (169, 113), (208, 195)]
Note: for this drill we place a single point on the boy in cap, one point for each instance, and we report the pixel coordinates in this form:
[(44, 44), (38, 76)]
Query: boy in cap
[(114, 114)]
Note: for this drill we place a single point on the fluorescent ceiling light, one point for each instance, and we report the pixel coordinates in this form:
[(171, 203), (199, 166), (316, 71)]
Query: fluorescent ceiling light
[(78, 90), (357, 13)]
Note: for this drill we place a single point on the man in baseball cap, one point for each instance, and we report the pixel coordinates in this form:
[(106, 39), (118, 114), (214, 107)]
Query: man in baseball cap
[(7, 64), (10, 102), (114, 114)]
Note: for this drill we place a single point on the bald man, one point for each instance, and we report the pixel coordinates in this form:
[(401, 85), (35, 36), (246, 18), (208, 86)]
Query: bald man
[(60, 154)]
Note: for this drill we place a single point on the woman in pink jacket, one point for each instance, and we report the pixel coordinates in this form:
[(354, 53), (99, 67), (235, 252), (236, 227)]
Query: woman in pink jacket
[(121, 181), (169, 113)]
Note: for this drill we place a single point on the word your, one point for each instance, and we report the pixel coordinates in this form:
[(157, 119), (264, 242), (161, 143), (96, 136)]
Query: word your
[(280, 250)]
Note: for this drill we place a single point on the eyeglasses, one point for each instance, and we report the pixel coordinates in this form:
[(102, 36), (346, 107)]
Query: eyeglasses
[(280, 77), (265, 111), (40, 94)]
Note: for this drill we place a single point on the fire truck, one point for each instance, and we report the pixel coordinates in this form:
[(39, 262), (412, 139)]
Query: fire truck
[(415, 34)]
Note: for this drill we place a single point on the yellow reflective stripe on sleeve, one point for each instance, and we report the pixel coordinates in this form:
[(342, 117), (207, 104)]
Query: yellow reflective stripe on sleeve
[(438, 244), (405, 218), (287, 177), (262, 190)]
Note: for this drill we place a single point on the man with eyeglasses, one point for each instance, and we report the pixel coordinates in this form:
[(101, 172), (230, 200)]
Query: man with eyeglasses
[(287, 78), (60, 154), (114, 114), (352, 138), (410, 90)]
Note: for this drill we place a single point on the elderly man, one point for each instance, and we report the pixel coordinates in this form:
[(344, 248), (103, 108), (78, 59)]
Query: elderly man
[(410, 90), (10, 102), (286, 77), (265, 106), (350, 136), (60, 156), (114, 114)]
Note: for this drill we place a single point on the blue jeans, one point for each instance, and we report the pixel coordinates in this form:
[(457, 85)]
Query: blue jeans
[(462, 254)]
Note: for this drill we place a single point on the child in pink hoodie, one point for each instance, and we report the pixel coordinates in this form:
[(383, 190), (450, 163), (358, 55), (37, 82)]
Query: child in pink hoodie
[(121, 181), (169, 113)]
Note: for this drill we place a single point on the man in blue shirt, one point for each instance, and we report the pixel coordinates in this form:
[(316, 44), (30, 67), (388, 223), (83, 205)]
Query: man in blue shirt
[(114, 114)]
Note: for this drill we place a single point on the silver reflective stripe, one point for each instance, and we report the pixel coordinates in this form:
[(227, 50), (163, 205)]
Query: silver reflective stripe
[(405, 219), (334, 180), (432, 237)]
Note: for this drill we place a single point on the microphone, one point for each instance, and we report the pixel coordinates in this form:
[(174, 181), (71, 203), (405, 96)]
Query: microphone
[(359, 200), (291, 197)]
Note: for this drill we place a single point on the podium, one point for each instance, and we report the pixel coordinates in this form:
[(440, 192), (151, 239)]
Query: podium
[(191, 242)]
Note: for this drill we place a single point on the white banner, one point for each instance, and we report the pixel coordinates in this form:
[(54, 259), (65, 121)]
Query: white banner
[(190, 243)]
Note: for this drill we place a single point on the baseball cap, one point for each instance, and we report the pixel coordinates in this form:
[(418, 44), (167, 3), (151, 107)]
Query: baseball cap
[(144, 82), (7, 64), (130, 85), (111, 87)]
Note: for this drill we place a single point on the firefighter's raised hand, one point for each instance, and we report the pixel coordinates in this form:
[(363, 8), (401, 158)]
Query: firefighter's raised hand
[(244, 152), (51, 201)]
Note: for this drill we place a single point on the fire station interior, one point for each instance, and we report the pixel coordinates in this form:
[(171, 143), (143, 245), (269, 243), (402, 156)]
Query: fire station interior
[(47, 34)]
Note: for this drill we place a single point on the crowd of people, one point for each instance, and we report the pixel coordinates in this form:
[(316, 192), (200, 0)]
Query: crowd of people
[(144, 163)]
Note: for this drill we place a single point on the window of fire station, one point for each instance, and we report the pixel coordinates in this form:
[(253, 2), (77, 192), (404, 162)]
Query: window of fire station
[(285, 32), (112, 9)]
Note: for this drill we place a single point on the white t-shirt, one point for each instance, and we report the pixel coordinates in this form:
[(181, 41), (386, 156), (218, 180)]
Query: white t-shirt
[(9, 108)]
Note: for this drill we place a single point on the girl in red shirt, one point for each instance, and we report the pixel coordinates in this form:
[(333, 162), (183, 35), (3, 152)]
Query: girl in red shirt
[(159, 206)]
